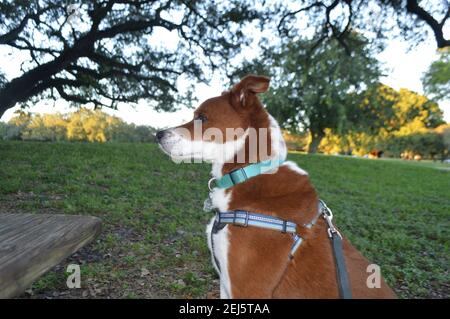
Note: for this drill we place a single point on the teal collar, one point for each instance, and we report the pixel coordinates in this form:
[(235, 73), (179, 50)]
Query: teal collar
[(240, 175)]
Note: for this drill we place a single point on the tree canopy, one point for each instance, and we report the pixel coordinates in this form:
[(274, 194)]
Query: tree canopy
[(105, 52), (411, 19), (402, 121), (82, 125), (314, 88), (436, 80)]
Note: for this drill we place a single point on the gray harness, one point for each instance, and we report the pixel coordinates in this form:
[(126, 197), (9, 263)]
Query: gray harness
[(245, 219)]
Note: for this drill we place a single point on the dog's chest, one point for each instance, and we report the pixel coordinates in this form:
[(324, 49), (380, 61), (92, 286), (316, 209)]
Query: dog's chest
[(220, 199), (218, 241)]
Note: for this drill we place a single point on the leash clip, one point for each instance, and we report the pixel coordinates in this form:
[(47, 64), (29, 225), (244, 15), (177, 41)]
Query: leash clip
[(331, 229), (328, 216), (326, 211)]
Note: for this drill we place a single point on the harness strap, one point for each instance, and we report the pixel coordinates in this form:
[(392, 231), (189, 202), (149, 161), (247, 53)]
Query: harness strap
[(297, 242), (245, 218)]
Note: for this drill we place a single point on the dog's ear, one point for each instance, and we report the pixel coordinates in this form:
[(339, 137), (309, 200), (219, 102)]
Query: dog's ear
[(243, 93)]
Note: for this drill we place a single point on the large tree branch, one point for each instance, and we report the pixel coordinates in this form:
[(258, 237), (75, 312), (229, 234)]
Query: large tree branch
[(113, 24), (133, 26), (77, 98), (413, 7), (113, 73), (293, 13), (15, 32), (340, 36)]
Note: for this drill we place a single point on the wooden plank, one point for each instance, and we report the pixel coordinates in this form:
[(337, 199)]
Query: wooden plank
[(31, 244)]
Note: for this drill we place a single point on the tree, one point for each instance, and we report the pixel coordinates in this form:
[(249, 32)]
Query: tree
[(93, 126), (82, 125), (46, 127), (382, 18), (436, 80), (395, 121), (444, 131), (105, 52), (318, 88), (415, 113)]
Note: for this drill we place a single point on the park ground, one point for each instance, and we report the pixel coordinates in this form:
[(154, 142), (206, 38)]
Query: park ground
[(153, 244)]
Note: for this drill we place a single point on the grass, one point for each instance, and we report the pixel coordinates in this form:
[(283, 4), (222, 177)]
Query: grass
[(153, 244)]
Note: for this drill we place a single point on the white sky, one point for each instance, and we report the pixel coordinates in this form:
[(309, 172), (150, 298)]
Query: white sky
[(405, 68)]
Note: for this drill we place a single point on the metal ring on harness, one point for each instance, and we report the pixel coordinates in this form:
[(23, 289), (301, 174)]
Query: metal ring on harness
[(209, 183)]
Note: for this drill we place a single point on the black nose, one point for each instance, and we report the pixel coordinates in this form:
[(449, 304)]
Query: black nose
[(159, 135)]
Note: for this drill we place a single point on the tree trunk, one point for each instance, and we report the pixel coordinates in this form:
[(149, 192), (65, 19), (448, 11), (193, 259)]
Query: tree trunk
[(315, 142), (2, 111)]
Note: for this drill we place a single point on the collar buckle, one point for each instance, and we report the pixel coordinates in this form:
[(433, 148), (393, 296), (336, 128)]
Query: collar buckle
[(238, 176)]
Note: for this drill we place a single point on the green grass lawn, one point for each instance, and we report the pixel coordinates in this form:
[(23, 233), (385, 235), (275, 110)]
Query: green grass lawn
[(153, 243)]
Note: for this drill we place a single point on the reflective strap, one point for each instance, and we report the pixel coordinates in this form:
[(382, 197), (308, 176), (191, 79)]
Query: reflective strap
[(244, 218), (320, 211), (297, 242)]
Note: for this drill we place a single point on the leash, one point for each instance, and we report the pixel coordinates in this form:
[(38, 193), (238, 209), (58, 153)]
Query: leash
[(338, 253)]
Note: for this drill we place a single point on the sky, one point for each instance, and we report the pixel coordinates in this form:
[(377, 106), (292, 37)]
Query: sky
[(404, 65)]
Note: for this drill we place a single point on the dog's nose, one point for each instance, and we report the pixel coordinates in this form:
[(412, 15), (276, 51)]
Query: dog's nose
[(160, 135)]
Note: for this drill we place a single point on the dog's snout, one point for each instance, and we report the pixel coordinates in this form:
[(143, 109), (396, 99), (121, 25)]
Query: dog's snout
[(160, 135)]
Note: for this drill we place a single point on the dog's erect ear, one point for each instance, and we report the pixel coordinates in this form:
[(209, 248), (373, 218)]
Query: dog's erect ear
[(242, 94)]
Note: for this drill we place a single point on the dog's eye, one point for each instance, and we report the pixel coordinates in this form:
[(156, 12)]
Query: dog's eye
[(200, 117)]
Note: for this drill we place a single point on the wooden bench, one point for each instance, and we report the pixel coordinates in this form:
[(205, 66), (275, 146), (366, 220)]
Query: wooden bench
[(32, 244)]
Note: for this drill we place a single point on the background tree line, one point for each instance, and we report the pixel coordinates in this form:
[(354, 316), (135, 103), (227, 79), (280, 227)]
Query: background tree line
[(319, 54), (82, 125), (333, 102), (411, 124), (103, 52)]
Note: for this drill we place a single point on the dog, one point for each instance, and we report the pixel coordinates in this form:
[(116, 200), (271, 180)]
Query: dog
[(256, 262)]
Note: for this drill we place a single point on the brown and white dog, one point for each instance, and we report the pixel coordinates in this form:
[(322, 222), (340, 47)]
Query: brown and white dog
[(254, 262)]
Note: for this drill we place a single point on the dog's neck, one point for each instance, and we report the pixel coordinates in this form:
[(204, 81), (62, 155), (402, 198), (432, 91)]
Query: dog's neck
[(276, 147)]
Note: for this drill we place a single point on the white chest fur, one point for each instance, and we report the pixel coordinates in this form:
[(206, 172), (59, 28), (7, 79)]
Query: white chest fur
[(218, 243)]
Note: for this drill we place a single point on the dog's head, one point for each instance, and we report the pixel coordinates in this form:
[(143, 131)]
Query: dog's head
[(220, 125)]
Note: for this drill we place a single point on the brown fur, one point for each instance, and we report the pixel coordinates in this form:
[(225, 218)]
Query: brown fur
[(258, 259)]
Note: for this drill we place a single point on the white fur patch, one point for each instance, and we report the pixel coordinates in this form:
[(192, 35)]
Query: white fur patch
[(221, 249), (278, 144), (294, 167), (216, 170), (279, 147), (180, 148), (220, 200)]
